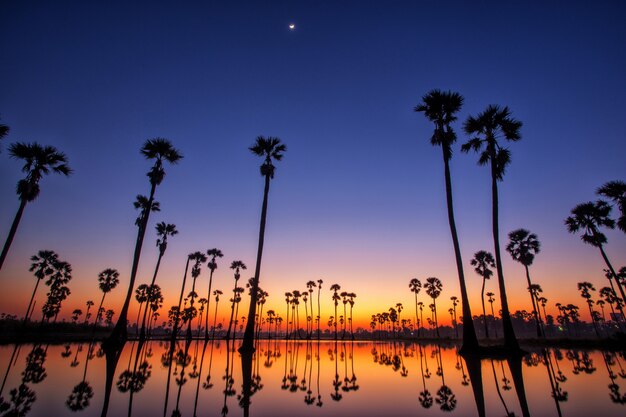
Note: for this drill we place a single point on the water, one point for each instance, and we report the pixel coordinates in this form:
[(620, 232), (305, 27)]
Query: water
[(310, 379)]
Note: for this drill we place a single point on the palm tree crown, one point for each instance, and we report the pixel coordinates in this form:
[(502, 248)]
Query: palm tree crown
[(163, 231), (159, 149), (482, 261), (616, 191), (108, 279), (38, 161), (523, 246), (440, 108), (433, 287), (269, 148), (589, 217), (488, 127)]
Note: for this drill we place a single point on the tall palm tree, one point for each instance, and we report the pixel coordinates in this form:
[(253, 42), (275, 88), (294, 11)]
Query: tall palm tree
[(214, 254), (310, 285), (335, 288), (38, 161), (493, 315), (616, 191), (43, 265), (482, 262), (415, 285), (107, 281), (160, 150), (487, 128), (90, 304), (585, 289), (237, 266), (164, 230), (455, 302), (433, 288), (589, 217), (319, 309), (199, 258), (269, 149), (441, 108), (523, 246), (141, 295)]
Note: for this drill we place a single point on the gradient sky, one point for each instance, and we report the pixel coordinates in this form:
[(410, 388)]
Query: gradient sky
[(359, 198)]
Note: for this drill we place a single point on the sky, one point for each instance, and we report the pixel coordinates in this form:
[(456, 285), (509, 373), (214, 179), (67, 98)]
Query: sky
[(359, 197)]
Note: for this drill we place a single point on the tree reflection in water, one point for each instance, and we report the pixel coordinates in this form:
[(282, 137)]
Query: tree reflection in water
[(438, 375)]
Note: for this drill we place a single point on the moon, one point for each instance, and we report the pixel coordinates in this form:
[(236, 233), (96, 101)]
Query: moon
[(292, 26)]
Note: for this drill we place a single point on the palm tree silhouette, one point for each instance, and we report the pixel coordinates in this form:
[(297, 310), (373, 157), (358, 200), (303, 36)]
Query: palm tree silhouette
[(87, 313), (482, 261), (141, 295), (441, 108), (585, 289), (523, 246), (160, 150), (319, 309), (455, 302), (589, 217), (237, 266), (270, 149), (4, 130), (213, 254), (433, 288), (415, 285), (494, 123), (199, 258), (43, 265), (616, 192), (334, 288), (38, 161), (107, 281), (491, 300)]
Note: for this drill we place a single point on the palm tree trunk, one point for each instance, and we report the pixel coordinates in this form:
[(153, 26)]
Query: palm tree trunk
[(470, 341), (248, 337), (95, 324), (509, 334), (606, 260), (30, 304), (119, 333), (416, 318), (156, 271), (482, 298), (532, 298), (16, 222), (319, 311), (435, 315), (208, 304)]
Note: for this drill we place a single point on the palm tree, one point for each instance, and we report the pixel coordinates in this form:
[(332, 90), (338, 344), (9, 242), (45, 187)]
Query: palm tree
[(441, 108), (270, 149), (589, 217), (214, 254), (87, 313), (108, 280), (616, 191), (335, 288), (38, 161), (217, 294), (163, 231), (199, 258), (494, 123), (415, 285), (455, 302), (4, 130), (319, 309), (141, 295), (493, 315), (523, 246), (482, 261), (585, 289), (310, 285), (160, 150), (420, 322), (433, 288), (237, 266), (43, 265), (288, 296)]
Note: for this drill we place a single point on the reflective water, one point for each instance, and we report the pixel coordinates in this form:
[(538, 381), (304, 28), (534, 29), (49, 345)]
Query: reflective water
[(290, 378)]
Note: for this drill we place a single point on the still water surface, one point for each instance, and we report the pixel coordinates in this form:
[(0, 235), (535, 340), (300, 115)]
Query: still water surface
[(296, 378)]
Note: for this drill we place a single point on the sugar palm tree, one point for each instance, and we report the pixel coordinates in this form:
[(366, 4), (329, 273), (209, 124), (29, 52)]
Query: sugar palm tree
[(319, 309), (486, 129), (4, 130), (589, 217), (199, 258), (160, 150), (441, 109), (141, 295), (335, 288), (164, 230), (269, 149), (213, 254), (491, 299), (43, 265), (90, 304), (523, 246), (310, 285), (415, 285), (616, 192), (107, 281), (433, 288), (455, 302), (585, 289), (38, 161), (237, 266), (482, 262)]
